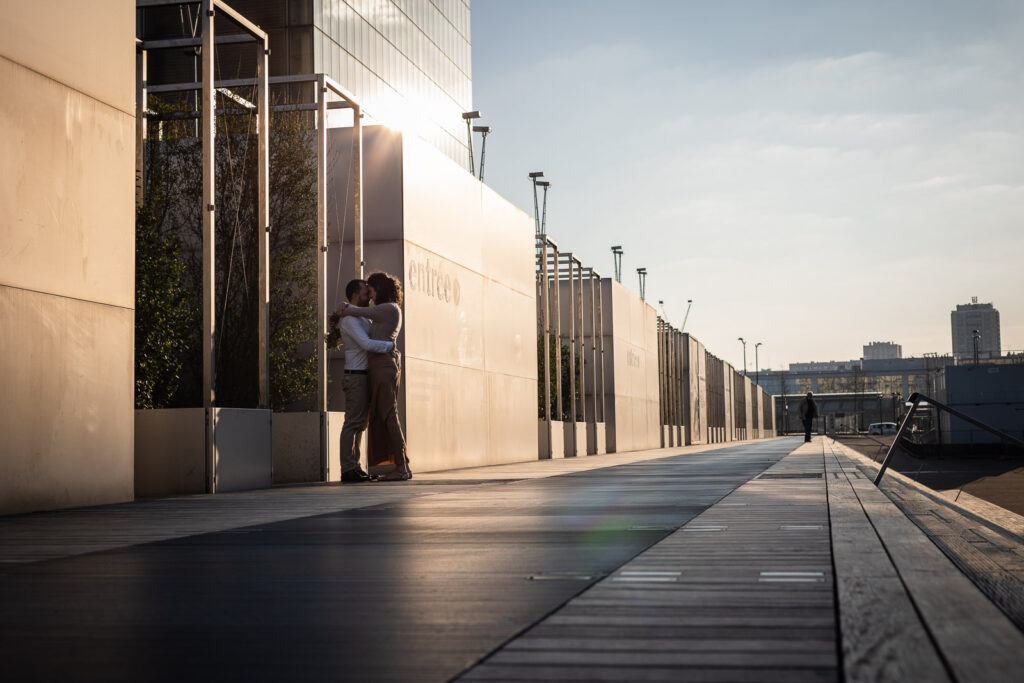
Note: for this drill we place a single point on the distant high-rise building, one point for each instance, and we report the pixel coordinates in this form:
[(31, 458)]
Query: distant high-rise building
[(973, 319), (406, 61), (882, 350)]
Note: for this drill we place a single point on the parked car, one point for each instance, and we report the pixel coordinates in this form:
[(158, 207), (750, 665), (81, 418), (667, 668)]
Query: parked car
[(882, 428)]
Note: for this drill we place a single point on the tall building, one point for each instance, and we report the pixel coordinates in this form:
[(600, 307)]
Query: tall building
[(983, 318), (406, 61), (882, 350)]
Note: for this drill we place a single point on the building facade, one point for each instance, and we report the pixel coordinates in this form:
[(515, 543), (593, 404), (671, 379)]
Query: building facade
[(882, 350), (67, 231), (407, 61), (968, 318)]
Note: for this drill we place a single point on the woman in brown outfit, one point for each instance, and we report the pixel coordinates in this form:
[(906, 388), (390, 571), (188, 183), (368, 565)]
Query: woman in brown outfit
[(387, 441)]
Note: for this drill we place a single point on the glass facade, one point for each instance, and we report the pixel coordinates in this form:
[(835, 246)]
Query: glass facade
[(407, 61)]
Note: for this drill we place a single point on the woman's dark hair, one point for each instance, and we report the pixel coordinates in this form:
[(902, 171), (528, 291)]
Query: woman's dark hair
[(387, 287)]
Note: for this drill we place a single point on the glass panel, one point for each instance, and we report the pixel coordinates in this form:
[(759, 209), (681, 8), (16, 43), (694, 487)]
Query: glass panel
[(300, 12)]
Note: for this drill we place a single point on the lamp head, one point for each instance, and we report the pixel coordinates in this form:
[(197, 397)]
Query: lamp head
[(470, 115), (544, 183), (536, 174), (481, 129)]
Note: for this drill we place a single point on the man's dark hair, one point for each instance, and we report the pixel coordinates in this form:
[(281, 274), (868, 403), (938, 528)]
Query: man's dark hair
[(387, 288), (353, 287)]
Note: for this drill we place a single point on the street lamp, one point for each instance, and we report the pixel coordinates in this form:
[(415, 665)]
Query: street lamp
[(757, 369), (689, 304), (744, 342), (617, 257), (533, 175), (977, 338), (642, 274), (483, 130), (468, 117), (544, 210)]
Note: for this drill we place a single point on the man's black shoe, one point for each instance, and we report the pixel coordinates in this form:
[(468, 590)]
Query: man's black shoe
[(356, 475)]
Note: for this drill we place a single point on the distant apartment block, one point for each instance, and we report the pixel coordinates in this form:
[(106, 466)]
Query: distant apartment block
[(882, 350), (968, 318)]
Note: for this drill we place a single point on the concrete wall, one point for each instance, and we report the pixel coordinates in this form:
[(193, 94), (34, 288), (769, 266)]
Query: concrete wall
[(465, 257), (67, 230), (631, 370)]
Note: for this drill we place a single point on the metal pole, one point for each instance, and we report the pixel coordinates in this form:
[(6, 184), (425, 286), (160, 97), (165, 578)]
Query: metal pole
[(357, 190), (572, 349), (557, 315), (321, 268), (209, 274), (579, 341), (536, 208), (469, 136), (140, 125), (483, 154), (263, 211), (601, 416), (544, 212), (593, 352), (546, 331), (757, 369), (916, 399)]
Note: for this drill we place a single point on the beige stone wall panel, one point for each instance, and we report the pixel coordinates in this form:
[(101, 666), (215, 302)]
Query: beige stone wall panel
[(66, 424), (86, 45), (66, 189)]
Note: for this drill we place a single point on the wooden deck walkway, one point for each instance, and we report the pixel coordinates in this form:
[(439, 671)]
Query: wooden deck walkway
[(766, 561)]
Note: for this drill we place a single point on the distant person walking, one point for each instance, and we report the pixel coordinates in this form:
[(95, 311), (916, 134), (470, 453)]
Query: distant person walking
[(387, 441), (355, 337), (808, 411)]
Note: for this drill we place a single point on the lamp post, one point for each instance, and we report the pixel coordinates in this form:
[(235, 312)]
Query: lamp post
[(757, 368), (617, 258), (536, 209), (483, 130), (689, 304), (744, 342), (544, 206), (468, 117), (642, 274), (977, 338)]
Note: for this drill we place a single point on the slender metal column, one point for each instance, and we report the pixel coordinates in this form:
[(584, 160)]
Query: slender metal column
[(602, 417), (546, 331), (140, 125), (321, 268), (593, 351), (209, 274), (572, 348), (357, 190), (555, 284), (263, 228), (662, 403), (582, 400)]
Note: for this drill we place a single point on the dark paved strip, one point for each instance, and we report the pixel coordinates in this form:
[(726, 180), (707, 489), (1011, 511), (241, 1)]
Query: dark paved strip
[(413, 589), (743, 592)]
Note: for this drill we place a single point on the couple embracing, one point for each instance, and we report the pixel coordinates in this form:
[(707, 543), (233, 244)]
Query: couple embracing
[(373, 370)]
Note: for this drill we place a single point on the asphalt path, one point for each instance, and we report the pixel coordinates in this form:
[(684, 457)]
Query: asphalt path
[(418, 589)]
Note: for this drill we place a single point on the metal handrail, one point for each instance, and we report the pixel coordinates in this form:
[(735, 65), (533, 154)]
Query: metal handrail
[(915, 400)]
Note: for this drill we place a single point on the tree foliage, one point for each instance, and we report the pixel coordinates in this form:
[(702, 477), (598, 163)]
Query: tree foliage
[(174, 181)]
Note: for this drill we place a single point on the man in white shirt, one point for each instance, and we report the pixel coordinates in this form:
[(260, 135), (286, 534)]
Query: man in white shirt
[(355, 338)]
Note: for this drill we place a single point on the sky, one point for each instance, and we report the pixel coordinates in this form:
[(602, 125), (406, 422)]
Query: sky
[(814, 175)]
